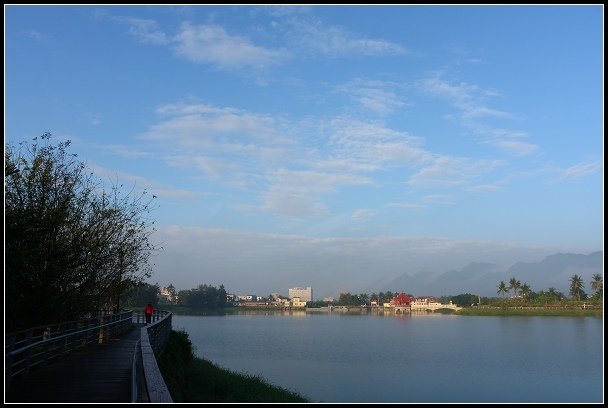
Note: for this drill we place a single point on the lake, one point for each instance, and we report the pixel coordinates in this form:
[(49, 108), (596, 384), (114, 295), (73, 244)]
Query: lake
[(434, 358)]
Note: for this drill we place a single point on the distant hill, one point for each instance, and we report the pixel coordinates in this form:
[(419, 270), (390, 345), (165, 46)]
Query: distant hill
[(483, 278)]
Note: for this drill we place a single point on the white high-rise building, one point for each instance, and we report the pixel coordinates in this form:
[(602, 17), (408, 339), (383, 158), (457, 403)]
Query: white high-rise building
[(303, 293)]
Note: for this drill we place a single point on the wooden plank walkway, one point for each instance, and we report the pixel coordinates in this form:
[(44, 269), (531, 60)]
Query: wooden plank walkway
[(96, 373)]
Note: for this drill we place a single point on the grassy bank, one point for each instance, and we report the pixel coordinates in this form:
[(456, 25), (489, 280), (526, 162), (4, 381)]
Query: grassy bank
[(528, 311), (192, 379)]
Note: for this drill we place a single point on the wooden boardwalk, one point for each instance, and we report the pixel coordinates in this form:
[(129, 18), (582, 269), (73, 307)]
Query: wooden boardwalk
[(97, 373)]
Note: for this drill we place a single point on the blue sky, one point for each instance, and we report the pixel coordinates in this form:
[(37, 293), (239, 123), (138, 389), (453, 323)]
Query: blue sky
[(327, 146)]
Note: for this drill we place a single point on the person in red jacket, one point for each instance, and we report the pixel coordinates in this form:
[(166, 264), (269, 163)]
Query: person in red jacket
[(149, 310)]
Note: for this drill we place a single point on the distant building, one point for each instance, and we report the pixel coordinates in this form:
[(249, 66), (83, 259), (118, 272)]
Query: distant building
[(248, 298), (305, 294), (164, 294), (297, 302)]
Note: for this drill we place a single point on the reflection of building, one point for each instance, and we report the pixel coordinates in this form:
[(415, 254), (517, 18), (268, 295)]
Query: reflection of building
[(303, 293)]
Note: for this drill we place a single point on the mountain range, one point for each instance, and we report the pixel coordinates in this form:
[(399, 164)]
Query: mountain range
[(481, 278)]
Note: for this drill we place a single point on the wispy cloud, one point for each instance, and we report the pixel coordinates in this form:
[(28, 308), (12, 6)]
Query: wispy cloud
[(516, 147), (292, 173), (205, 44), (482, 188), (298, 193), (471, 102), (333, 41), (145, 30), (439, 199), (363, 214), (375, 144), (580, 170), (450, 171), (376, 96), (406, 205), (211, 44), (140, 183), (125, 151)]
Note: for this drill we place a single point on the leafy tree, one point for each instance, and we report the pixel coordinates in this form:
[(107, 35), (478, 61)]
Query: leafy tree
[(576, 286), (597, 285), (502, 288), (71, 247), (514, 285), (525, 290), (465, 299), (142, 294), (204, 296)]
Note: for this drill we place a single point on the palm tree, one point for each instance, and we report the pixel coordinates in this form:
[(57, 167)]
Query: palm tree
[(502, 288), (597, 284), (576, 285), (525, 290), (514, 284)]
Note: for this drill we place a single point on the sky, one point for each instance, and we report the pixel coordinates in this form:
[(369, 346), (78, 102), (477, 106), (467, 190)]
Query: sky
[(326, 146)]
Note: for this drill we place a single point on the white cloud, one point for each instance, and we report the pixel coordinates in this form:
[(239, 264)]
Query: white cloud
[(335, 41), (140, 183), (374, 144), (363, 214), (469, 100), (516, 147), (297, 193), (145, 30), (406, 205), (376, 96), (438, 199), (452, 171), (580, 170), (205, 44), (482, 188), (211, 44), (292, 173)]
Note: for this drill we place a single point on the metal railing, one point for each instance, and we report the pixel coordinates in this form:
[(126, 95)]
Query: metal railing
[(147, 383), (38, 346)]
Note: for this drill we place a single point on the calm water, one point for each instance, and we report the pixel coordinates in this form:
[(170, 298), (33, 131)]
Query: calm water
[(418, 358)]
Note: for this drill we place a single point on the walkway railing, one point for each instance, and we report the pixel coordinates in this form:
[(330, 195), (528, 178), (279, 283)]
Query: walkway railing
[(38, 346), (147, 383)]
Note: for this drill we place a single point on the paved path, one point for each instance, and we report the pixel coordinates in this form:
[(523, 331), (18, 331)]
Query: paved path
[(96, 373)]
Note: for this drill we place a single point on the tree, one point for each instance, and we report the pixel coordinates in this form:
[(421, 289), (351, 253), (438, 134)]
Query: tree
[(502, 288), (576, 286), (140, 295), (465, 299), (597, 285), (70, 245), (514, 285), (525, 290)]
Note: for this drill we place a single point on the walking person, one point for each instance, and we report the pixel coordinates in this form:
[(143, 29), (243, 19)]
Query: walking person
[(149, 310)]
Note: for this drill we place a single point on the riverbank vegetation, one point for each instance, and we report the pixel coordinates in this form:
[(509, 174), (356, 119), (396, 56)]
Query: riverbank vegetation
[(73, 243), (191, 379), (530, 311)]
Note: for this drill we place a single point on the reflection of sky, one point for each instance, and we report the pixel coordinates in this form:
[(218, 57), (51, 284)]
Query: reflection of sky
[(366, 358)]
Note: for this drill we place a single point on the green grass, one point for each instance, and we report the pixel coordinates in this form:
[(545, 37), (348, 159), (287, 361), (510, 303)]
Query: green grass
[(191, 379), (528, 311)]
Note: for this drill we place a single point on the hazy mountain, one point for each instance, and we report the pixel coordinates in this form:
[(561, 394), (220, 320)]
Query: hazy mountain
[(483, 278)]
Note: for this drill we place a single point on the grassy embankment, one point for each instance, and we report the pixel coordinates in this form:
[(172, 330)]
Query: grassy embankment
[(529, 311), (192, 379)]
